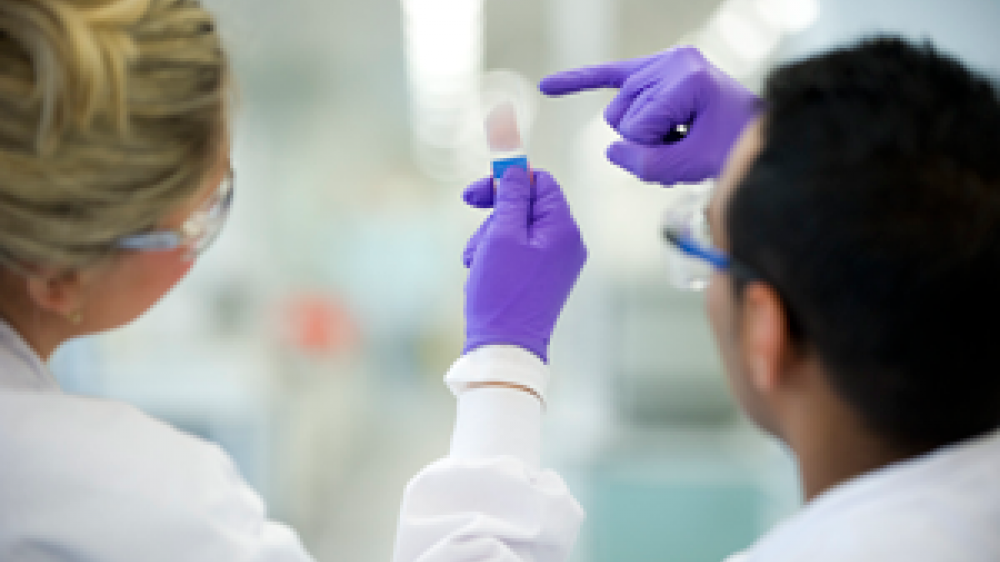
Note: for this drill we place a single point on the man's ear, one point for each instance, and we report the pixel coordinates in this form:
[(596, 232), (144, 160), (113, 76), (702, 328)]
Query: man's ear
[(767, 344), (57, 291)]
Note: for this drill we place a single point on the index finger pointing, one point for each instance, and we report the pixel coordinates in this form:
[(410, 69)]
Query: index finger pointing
[(607, 75)]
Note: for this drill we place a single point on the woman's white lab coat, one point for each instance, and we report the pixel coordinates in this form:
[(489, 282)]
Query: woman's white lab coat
[(83, 479)]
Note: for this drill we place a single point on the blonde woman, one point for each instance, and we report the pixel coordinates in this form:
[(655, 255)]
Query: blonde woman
[(114, 176)]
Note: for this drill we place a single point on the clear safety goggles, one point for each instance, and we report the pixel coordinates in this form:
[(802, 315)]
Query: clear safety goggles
[(692, 255), (198, 231)]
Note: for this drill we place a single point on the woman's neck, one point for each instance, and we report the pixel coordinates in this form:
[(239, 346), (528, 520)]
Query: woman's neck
[(40, 329)]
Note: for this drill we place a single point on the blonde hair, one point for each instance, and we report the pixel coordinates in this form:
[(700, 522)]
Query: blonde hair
[(112, 114)]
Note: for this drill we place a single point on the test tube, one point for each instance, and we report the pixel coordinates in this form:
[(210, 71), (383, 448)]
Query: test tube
[(504, 140)]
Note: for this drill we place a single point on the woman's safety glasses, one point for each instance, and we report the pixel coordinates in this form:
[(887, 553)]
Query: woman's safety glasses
[(198, 231), (692, 254)]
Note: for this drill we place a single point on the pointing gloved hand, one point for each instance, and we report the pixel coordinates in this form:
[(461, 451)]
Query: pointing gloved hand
[(523, 261), (658, 93)]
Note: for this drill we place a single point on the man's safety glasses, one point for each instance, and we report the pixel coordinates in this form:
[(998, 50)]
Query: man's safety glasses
[(692, 254), (198, 231)]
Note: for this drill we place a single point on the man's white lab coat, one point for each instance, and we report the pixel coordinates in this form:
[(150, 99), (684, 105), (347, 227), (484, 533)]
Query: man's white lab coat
[(940, 507)]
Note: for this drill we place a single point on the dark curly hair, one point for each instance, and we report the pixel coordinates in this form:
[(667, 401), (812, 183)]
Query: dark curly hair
[(874, 210)]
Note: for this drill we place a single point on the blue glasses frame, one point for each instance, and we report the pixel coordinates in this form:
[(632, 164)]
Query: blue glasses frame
[(198, 232), (679, 238)]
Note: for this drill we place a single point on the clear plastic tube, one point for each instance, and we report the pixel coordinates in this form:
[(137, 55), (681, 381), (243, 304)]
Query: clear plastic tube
[(504, 139)]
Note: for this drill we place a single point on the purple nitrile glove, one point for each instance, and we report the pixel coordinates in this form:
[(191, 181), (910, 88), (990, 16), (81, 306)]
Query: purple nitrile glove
[(658, 93), (523, 261)]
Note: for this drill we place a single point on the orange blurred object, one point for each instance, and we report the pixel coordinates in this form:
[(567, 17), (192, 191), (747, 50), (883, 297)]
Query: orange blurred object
[(318, 324)]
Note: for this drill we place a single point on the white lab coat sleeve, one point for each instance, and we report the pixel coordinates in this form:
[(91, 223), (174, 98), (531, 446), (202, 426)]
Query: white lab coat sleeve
[(488, 500)]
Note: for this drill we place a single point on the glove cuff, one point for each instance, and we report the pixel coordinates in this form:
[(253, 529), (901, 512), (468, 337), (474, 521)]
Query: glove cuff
[(498, 363), (540, 349)]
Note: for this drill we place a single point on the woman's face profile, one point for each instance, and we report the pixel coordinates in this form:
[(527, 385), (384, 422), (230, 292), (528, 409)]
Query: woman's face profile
[(119, 292)]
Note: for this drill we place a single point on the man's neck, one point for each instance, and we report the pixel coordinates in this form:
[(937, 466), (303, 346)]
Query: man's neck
[(834, 458), (832, 444)]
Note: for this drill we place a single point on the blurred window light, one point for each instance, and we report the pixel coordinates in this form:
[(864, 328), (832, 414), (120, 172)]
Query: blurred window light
[(437, 129), (743, 34), (444, 51), (446, 15), (720, 54), (791, 15), (442, 55), (750, 38)]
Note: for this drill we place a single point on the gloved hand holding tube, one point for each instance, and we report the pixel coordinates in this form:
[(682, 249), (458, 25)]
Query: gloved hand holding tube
[(657, 94), (523, 261)]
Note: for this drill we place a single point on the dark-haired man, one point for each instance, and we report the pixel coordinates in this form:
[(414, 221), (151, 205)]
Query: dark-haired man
[(855, 239)]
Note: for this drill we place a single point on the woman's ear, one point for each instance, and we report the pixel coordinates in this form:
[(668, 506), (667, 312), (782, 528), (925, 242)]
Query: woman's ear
[(59, 292), (767, 344)]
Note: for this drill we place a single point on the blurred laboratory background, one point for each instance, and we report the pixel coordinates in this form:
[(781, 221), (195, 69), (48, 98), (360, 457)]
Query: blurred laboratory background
[(310, 342)]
